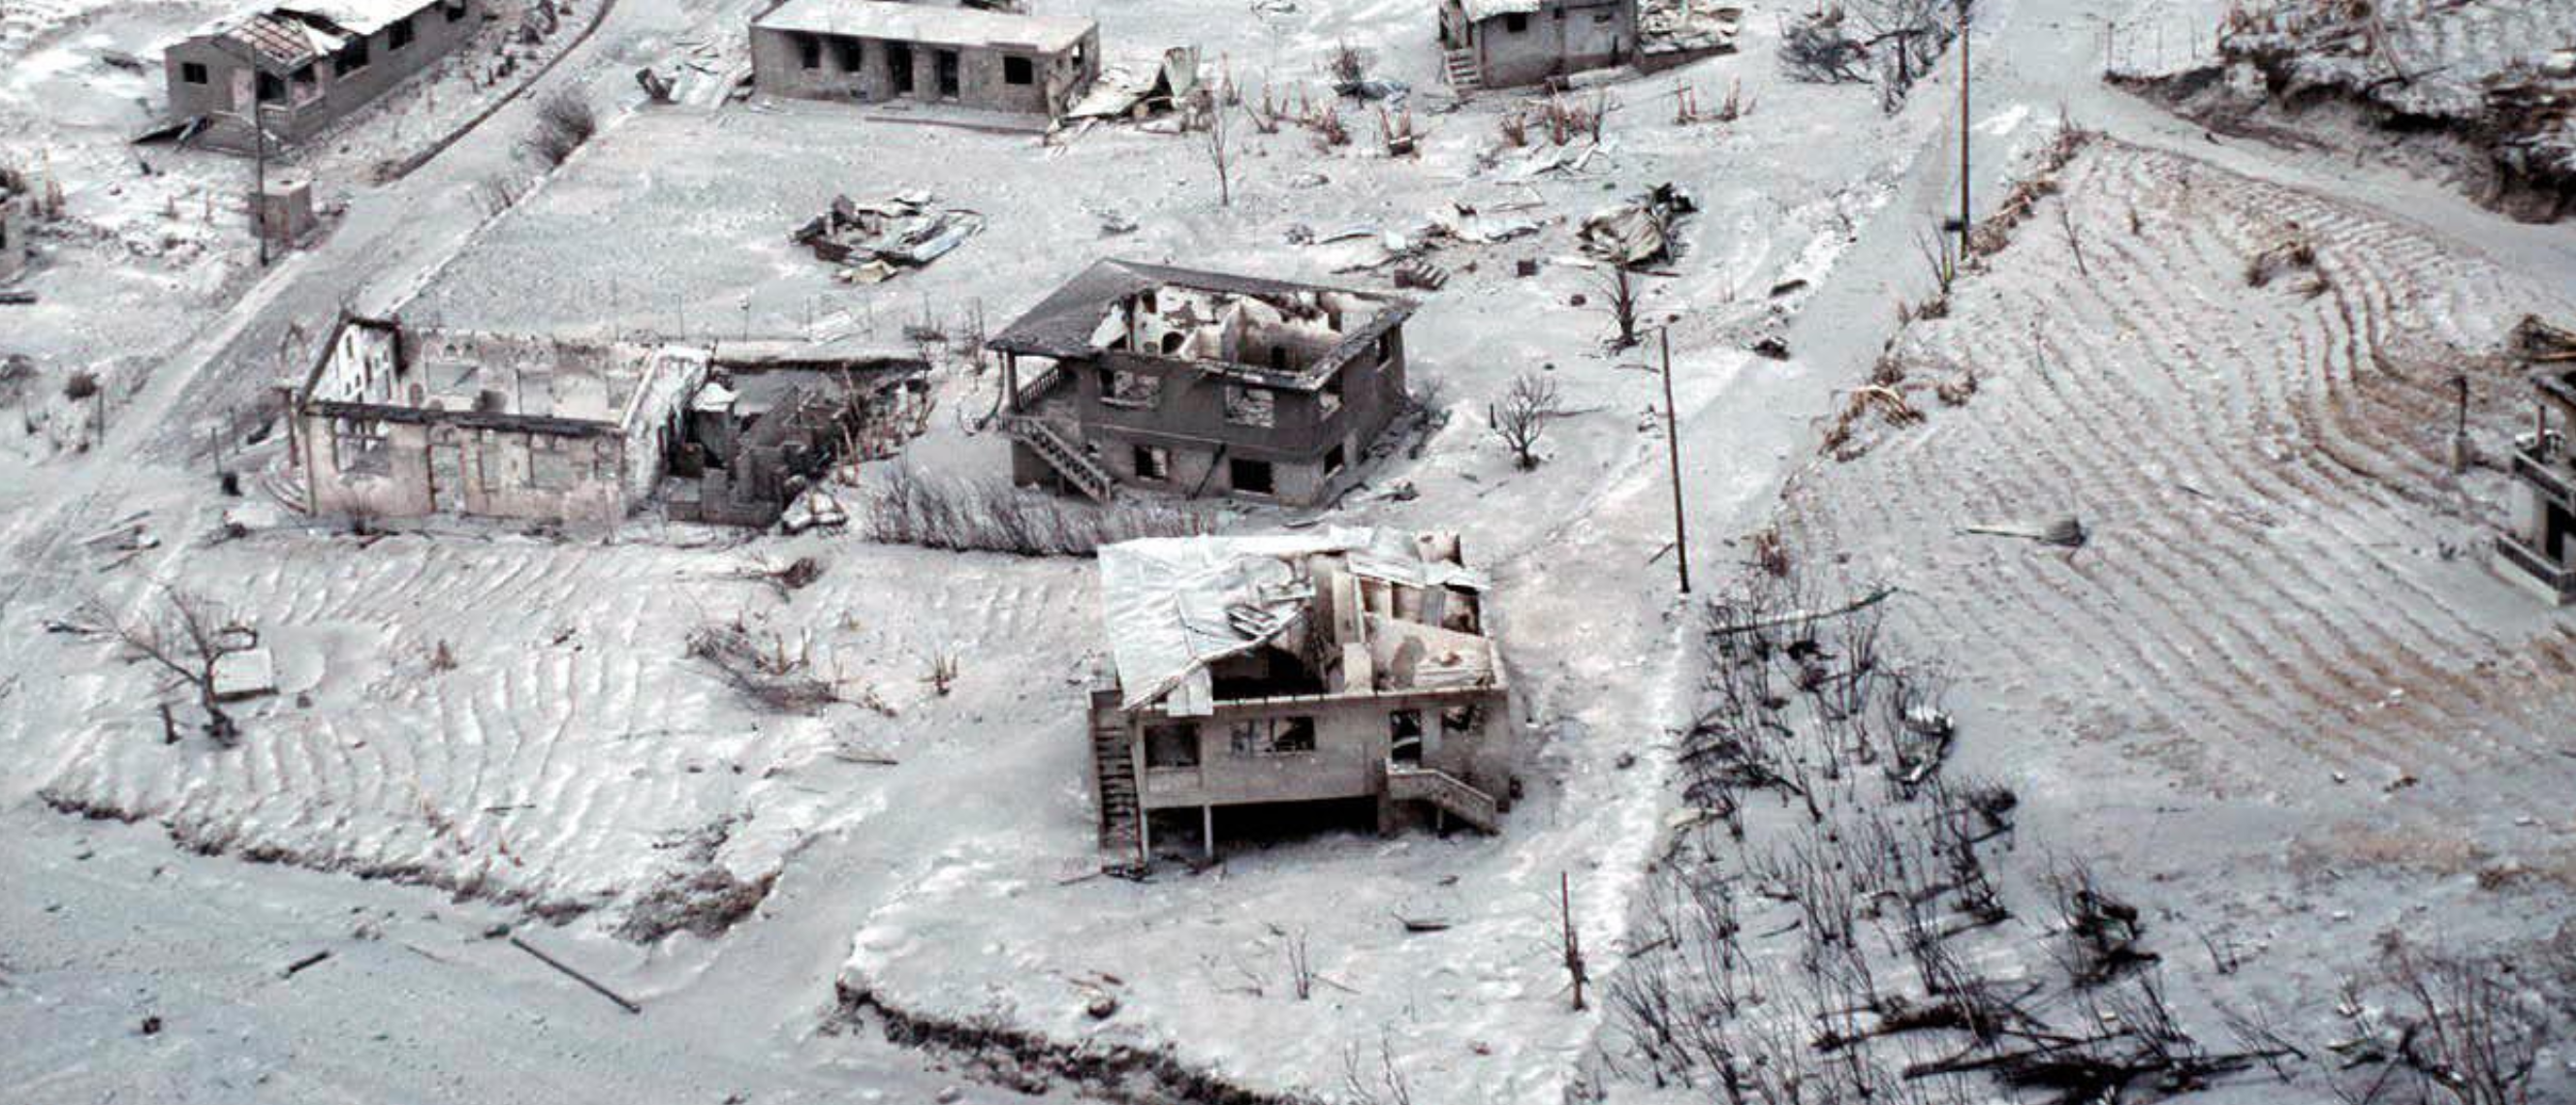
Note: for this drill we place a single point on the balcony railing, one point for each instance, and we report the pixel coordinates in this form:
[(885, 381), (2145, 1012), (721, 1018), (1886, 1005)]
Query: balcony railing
[(2546, 464), (2557, 578)]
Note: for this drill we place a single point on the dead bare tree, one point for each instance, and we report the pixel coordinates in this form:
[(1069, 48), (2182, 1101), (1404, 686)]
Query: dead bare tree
[(1521, 418), (187, 638), (1619, 298), (1217, 139), (2465, 1036)]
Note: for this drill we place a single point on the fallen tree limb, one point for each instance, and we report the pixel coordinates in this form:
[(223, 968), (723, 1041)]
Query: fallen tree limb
[(576, 976), (1795, 616)]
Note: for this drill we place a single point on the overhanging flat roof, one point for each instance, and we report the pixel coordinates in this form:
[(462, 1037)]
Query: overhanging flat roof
[(895, 22)]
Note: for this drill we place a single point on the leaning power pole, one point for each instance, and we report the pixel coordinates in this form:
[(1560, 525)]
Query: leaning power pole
[(1966, 74)]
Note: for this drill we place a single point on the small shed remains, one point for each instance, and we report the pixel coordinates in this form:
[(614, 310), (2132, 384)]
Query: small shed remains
[(2538, 548), (1326, 666), (303, 66), (874, 51), (1502, 43)]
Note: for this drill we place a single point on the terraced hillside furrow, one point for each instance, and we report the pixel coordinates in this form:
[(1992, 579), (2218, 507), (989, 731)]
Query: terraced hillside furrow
[(2284, 579), (520, 719)]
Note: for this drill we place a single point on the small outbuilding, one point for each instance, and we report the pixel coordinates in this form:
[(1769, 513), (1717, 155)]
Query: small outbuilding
[(1502, 43), (1346, 664), (304, 66), (16, 220), (873, 51)]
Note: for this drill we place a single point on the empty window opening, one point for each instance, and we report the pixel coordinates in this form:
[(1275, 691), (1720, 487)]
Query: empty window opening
[(1274, 736), (399, 35), (1132, 389), (1404, 736), (270, 88), (1018, 70), (1278, 358), (1516, 22), (358, 446), (350, 60), (1249, 406), (849, 54), (1172, 342), (1335, 460), (1330, 397), (192, 72), (947, 74), (1386, 347), (453, 10), (1171, 746), (809, 52), (1153, 462), (1252, 477)]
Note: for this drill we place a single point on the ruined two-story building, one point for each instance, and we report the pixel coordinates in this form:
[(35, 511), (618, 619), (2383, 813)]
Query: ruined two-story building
[(1348, 664), (304, 66), (1197, 382)]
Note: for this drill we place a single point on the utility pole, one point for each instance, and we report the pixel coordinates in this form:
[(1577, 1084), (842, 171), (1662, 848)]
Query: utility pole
[(259, 178), (1967, 74), (1673, 451)]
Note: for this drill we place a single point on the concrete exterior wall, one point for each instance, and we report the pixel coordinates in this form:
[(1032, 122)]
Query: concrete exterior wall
[(231, 82), (849, 68), (433, 467), (1353, 736), (1562, 37), (1188, 422), (15, 224)]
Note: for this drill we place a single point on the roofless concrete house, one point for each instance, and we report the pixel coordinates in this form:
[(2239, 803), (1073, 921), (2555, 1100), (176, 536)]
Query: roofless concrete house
[(1318, 667), (874, 51), (1200, 383), (305, 66)]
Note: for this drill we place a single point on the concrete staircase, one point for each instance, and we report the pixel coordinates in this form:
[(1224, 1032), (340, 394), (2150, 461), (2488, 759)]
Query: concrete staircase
[(1449, 793), (1121, 812), (1085, 474), (1464, 74)]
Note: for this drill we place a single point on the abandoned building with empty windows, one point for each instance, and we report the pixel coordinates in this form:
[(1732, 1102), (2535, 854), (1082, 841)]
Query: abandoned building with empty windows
[(1201, 383), (1242, 672), (395, 422), (873, 51), (303, 67)]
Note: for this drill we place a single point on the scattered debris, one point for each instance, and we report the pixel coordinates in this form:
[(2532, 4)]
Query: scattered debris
[(576, 976), (1640, 232), (2067, 532), (873, 240)]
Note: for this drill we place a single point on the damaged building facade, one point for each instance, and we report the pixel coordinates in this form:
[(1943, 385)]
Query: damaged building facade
[(398, 423), (1350, 664), (395, 422), (305, 66), (2539, 548), (1503, 43), (17, 220), (873, 51), (1201, 383)]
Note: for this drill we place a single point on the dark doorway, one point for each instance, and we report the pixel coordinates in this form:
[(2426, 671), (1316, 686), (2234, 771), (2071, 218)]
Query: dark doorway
[(899, 67), (948, 74), (1252, 477), (1404, 737)]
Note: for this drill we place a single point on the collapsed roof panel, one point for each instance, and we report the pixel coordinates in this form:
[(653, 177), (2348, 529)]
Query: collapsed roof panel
[(895, 22)]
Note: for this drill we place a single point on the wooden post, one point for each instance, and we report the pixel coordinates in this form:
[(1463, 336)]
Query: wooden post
[(1673, 451), (1966, 128), (1573, 943), (259, 175), (1207, 831)]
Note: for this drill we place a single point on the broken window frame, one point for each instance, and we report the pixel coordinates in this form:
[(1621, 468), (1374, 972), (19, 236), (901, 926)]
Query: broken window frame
[(1336, 459), (398, 35), (1403, 728), (1284, 735), (194, 72), (1462, 720), (1247, 405), (359, 447)]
